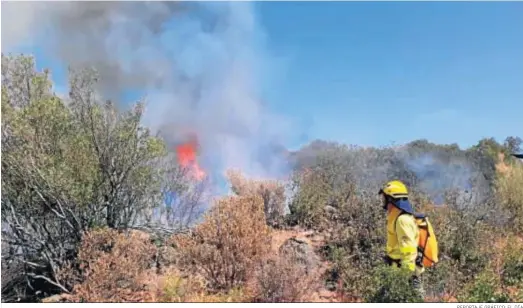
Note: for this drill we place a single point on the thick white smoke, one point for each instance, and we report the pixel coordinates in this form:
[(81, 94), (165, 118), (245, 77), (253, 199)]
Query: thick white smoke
[(198, 64)]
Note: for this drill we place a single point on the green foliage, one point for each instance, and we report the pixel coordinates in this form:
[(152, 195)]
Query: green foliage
[(512, 273), (445, 279), (510, 193), (68, 165), (484, 289), (391, 285)]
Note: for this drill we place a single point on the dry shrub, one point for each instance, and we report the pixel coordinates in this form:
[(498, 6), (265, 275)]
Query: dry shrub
[(228, 244), (281, 279), (272, 193), (509, 188), (114, 267)]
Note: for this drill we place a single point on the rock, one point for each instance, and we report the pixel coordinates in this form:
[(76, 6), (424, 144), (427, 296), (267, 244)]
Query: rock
[(331, 210), (326, 294), (300, 252)]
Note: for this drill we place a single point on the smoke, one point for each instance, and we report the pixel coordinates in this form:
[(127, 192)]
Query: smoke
[(198, 64), (436, 177), (438, 172)]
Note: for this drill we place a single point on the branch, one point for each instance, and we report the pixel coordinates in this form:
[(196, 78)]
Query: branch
[(50, 281)]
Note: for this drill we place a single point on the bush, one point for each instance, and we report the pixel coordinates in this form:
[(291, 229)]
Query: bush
[(68, 165), (283, 280), (271, 192), (512, 273), (509, 188), (462, 250), (310, 199), (485, 288), (175, 288), (391, 285), (444, 281), (226, 247), (113, 267), (357, 242)]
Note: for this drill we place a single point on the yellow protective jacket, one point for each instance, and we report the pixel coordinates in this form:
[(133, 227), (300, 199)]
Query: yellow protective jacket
[(402, 239)]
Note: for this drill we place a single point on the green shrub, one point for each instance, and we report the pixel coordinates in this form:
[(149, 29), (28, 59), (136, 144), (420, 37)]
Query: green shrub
[(444, 280), (484, 289), (391, 285), (512, 274), (509, 188)]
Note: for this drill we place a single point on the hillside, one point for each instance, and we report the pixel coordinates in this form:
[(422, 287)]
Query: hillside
[(96, 208)]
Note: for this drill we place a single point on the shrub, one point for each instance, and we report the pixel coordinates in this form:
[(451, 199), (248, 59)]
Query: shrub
[(512, 273), (485, 288), (67, 166), (309, 201), (113, 267), (357, 242), (271, 192), (175, 288), (461, 238), (228, 244), (509, 188), (391, 285), (444, 281), (283, 280), (234, 295)]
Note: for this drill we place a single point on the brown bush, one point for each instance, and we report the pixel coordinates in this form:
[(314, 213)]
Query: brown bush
[(228, 244), (113, 267), (283, 279), (272, 193)]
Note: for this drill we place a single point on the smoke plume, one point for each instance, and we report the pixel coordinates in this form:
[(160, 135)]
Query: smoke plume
[(436, 177), (198, 64)]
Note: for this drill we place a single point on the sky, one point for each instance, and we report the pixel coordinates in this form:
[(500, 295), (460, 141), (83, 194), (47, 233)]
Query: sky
[(376, 73), (372, 73)]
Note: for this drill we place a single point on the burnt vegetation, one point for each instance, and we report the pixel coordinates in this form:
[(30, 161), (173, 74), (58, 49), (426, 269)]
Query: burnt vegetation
[(84, 216)]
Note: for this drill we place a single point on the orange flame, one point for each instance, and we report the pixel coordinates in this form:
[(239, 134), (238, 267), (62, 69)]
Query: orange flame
[(186, 154)]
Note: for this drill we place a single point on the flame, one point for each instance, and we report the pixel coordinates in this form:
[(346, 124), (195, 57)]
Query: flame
[(186, 153)]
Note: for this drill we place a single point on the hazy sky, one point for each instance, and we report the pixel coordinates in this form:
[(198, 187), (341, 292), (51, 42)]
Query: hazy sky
[(372, 73)]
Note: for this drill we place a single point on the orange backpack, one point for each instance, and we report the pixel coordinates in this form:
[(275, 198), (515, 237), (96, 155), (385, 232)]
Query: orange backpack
[(427, 243)]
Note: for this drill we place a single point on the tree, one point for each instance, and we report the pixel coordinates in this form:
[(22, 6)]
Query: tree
[(67, 166), (513, 144)]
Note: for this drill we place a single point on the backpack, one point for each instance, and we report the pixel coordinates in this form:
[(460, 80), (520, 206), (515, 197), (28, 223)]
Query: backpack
[(427, 243)]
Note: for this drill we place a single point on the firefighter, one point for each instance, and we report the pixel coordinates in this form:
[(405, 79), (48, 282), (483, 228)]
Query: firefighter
[(402, 232)]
